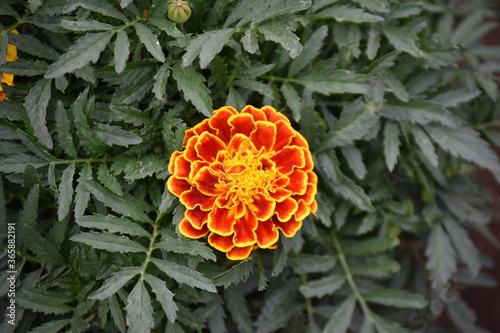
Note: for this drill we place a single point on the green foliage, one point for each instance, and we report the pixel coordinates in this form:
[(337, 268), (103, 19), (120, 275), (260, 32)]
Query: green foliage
[(398, 101)]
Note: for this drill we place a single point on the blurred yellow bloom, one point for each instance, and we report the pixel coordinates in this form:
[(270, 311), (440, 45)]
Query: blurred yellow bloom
[(11, 56)]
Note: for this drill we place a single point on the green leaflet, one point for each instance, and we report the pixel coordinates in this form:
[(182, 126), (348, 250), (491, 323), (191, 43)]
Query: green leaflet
[(164, 296), (311, 49), (121, 51), (188, 247), (85, 25), (108, 242), (396, 298), (149, 40), (465, 143), (206, 46), (184, 275), (441, 257), (237, 273), (112, 224), (281, 33), (96, 6), (418, 111), (324, 286), (36, 106), (86, 49), (371, 246), (114, 135), (115, 202), (65, 192), (238, 309), (339, 322), (403, 40), (24, 67), (139, 309), (191, 83), (391, 144), (349, 14), (354, 123), (115, 282), (43, 301), (40, 246), (336, 81)]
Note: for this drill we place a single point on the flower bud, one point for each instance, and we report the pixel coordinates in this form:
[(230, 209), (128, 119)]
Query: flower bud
[(179, 11)]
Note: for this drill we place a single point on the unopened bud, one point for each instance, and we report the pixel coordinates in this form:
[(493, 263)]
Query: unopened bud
[(179, 11)]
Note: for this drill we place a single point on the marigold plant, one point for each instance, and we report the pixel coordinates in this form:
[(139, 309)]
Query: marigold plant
[(242, 177), (332, 189)]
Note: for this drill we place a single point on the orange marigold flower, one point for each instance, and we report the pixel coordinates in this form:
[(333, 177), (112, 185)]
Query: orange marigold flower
[(9, 78), (242, 177)]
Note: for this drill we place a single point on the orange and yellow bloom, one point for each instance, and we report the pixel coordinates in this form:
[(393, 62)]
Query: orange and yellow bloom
[(8, 78), (242, 177)]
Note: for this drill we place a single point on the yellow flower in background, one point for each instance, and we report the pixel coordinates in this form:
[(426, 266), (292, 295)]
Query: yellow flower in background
[(11, 56)]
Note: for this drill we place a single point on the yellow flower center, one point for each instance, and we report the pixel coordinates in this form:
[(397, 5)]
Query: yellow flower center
[(245, 175)]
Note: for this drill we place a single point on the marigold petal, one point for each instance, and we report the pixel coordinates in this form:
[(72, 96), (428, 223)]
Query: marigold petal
[(221, 221), (312, 178), (309, 194), (221, 243), (197, 217), (2, 94), (244, 230), (239, 253), (11, 52), (204, 127), (300, 141), (196, 166), (264, 135), (171, 163), (314, 206), (190, 153), (286, 209), (241, 123), (206, 180), (257, 114), (236, 141), (298, 182), (8, 79), (309, 160), (177, 186), (280, 194), (267, 234), (186, 229), (289, 158), (219, 122), (303, 210), (288, 228), (284, 135), (274, 116), (208, 145), (181, 167), (262, 206), (194, 197), (189, 134), (272, 247)]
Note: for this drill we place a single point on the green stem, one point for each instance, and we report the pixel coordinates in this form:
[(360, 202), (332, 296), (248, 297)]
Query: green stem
[(152, 241), (309, 309), (484, 126), (349, 277), (352, 284)]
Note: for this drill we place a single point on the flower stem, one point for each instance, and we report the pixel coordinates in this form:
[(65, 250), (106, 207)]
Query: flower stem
[(348, 276), (149, 253)]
